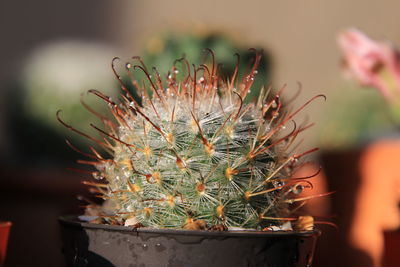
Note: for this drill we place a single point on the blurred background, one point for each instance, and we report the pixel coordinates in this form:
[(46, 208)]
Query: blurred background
[(53, 51)]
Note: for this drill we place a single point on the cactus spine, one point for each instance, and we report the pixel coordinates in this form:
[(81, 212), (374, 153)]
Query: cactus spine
[(193, 155)]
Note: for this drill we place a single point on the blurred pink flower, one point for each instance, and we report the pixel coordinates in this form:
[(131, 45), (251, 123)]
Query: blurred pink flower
[(372, 63)]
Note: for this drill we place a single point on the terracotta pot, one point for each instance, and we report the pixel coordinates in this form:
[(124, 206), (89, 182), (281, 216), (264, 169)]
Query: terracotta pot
[(87, 244), (367, 185), (391, 253), (4, 232)]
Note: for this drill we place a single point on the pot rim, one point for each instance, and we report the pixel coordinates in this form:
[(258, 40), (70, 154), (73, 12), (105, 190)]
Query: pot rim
[(5, 224), (74, 221)]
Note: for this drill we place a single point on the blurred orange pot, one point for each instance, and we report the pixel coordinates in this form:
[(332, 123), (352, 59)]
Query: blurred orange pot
[(367, 185), (4, 232)]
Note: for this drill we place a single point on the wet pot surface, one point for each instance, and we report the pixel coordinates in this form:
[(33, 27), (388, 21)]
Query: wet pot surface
[(87, 244)]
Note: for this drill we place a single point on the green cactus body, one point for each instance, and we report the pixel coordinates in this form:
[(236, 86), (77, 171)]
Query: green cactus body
[(195, 152)]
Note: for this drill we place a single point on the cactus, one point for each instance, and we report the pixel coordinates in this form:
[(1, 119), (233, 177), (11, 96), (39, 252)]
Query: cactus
[(194, 155)]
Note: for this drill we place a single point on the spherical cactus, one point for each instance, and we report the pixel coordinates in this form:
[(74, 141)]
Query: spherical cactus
[(193, 155)]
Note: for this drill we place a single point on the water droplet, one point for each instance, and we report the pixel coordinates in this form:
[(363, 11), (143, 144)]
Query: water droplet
[(278, 183), (145, 245), (97, 175), (297, 189), (176, 71)]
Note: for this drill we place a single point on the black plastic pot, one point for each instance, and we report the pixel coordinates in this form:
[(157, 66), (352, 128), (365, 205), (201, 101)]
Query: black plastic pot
[(88, 244)]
